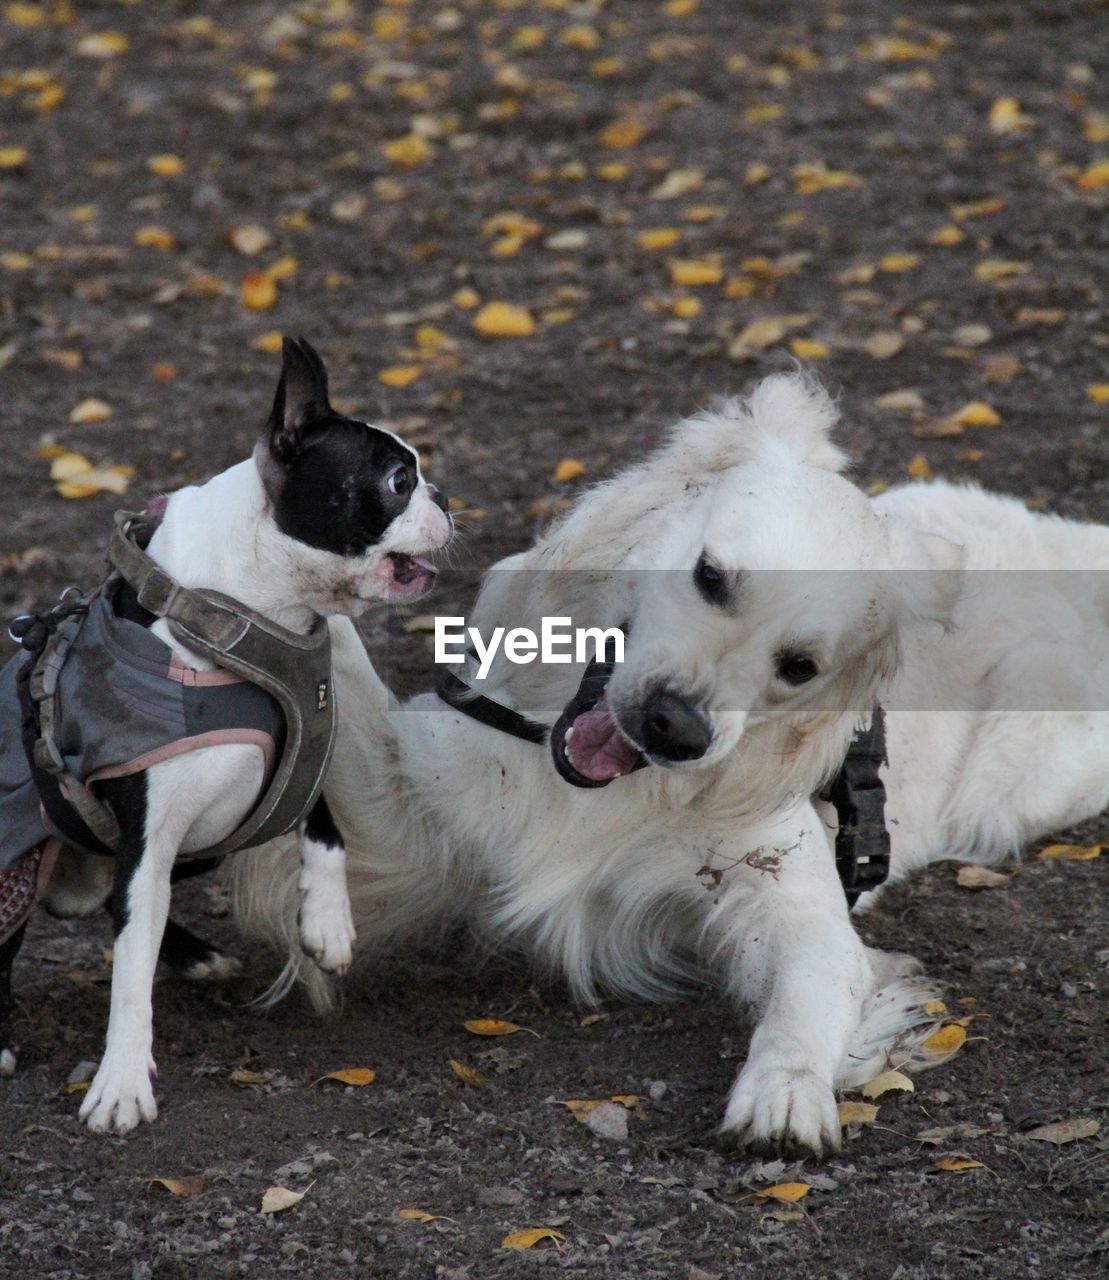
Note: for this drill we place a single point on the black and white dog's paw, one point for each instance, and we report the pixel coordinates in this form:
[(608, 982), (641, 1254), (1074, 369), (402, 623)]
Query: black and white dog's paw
[(783, 1111), (194, 958), (120, 1096), (327, 929)]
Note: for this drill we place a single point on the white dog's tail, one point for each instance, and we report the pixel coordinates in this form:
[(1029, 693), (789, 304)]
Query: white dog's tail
[(894, 1025)]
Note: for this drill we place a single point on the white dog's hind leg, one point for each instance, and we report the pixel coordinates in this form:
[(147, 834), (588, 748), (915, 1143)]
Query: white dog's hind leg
[(325, 920), (794, 956)]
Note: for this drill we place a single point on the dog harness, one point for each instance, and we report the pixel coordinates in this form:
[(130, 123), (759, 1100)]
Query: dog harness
[(862, 848), (96, 695)]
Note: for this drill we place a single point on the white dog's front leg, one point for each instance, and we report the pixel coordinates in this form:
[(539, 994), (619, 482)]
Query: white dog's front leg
[(793, 955), (326, 923)]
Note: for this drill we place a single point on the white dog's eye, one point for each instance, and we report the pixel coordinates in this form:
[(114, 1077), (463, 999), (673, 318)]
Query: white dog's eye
[(796, 668), (399, 481), (710, 581)]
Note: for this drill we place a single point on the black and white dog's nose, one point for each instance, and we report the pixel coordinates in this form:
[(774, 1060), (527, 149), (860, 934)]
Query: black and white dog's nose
[(673, 729), (438, 497)]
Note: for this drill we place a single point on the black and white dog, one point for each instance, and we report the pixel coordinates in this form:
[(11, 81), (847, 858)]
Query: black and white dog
[(327, 515)]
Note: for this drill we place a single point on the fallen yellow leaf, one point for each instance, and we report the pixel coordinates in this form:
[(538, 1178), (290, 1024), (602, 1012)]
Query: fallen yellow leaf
[(407, 152), (657, 238), (356, 1076), (957, 1164), (857, 1113), (12, 157), (78, 1086), (1094, 177), (1098, 392), (257, 291), (895, 263), (1071, 852), (154, 238), (103, 44), (493, 1027), (530, 1236), (808, 349), (946, 236), (884, 345), (283, 268), (420, 1215), (249, 239), (181, 1186), (467, 1074), (400, 375), (763, 333), (945, 1042), (270, 341), (887, 1082), (976, 877), (504, 320), (621, 134), (90, 410), (809, 179), (679, 182), (166, 165), (689, 272), (785, 1192), (919, 468), (933, 1008), (568, 469), (993, 269), (579, 1108), (977, 414), (1005, 116), (466, 298), (684, 308), (245, 1077), (977, 208), (278, 1199)]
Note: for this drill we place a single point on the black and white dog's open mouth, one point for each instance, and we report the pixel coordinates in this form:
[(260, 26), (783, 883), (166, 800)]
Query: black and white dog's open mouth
[(588, 746), (409, 577)]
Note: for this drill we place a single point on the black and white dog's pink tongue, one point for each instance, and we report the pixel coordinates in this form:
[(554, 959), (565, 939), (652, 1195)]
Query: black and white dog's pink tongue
[(596, 747)]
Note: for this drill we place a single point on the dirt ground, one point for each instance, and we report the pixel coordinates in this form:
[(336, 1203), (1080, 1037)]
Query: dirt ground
[(859, 177)]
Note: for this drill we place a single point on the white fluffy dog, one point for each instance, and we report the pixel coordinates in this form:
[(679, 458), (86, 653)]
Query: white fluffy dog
[(742, 684)]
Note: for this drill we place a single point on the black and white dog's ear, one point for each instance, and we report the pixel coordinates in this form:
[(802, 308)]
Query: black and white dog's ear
[(301, 397)]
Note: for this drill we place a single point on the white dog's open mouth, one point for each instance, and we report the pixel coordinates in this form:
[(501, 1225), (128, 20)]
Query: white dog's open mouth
[(587, 745), (407, 577)]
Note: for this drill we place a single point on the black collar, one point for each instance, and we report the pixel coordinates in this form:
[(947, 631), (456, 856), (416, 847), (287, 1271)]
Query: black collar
[(857, 792)]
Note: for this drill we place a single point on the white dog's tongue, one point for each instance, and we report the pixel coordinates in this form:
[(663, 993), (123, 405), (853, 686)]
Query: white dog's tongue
[(596, 747)]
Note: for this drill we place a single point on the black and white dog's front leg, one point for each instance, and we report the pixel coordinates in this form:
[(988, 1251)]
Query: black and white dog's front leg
[(325, 920), (121, 1093)]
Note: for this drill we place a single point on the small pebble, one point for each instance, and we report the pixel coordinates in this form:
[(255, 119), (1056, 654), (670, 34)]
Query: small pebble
[(657, 1090)]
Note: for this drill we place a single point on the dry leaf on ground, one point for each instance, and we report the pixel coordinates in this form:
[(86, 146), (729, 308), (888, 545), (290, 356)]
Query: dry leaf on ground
[(1064, 1131), (356, 1076), (531, 1236), (887, 1082), (976, 877), (278, 1199), (181, 1186)]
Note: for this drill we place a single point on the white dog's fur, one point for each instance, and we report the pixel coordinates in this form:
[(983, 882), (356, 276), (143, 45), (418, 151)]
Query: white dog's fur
[(723, 863)]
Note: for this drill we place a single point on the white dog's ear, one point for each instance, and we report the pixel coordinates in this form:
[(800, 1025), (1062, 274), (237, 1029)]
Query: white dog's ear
[(930, 572), (793, 410)]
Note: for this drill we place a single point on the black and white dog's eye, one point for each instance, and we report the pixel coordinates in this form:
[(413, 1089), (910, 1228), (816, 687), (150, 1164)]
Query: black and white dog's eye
[(710, 581), (796, 668), (399, 481)]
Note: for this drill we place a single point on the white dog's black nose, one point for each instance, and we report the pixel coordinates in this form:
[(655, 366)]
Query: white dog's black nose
[(673, 729)]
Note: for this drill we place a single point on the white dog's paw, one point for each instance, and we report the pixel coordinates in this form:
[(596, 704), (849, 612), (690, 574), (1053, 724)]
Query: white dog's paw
[(119, 1098), (327, 926), (783, 1110)]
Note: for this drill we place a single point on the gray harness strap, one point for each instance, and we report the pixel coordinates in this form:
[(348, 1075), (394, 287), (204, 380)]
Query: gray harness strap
[(294, 669)]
